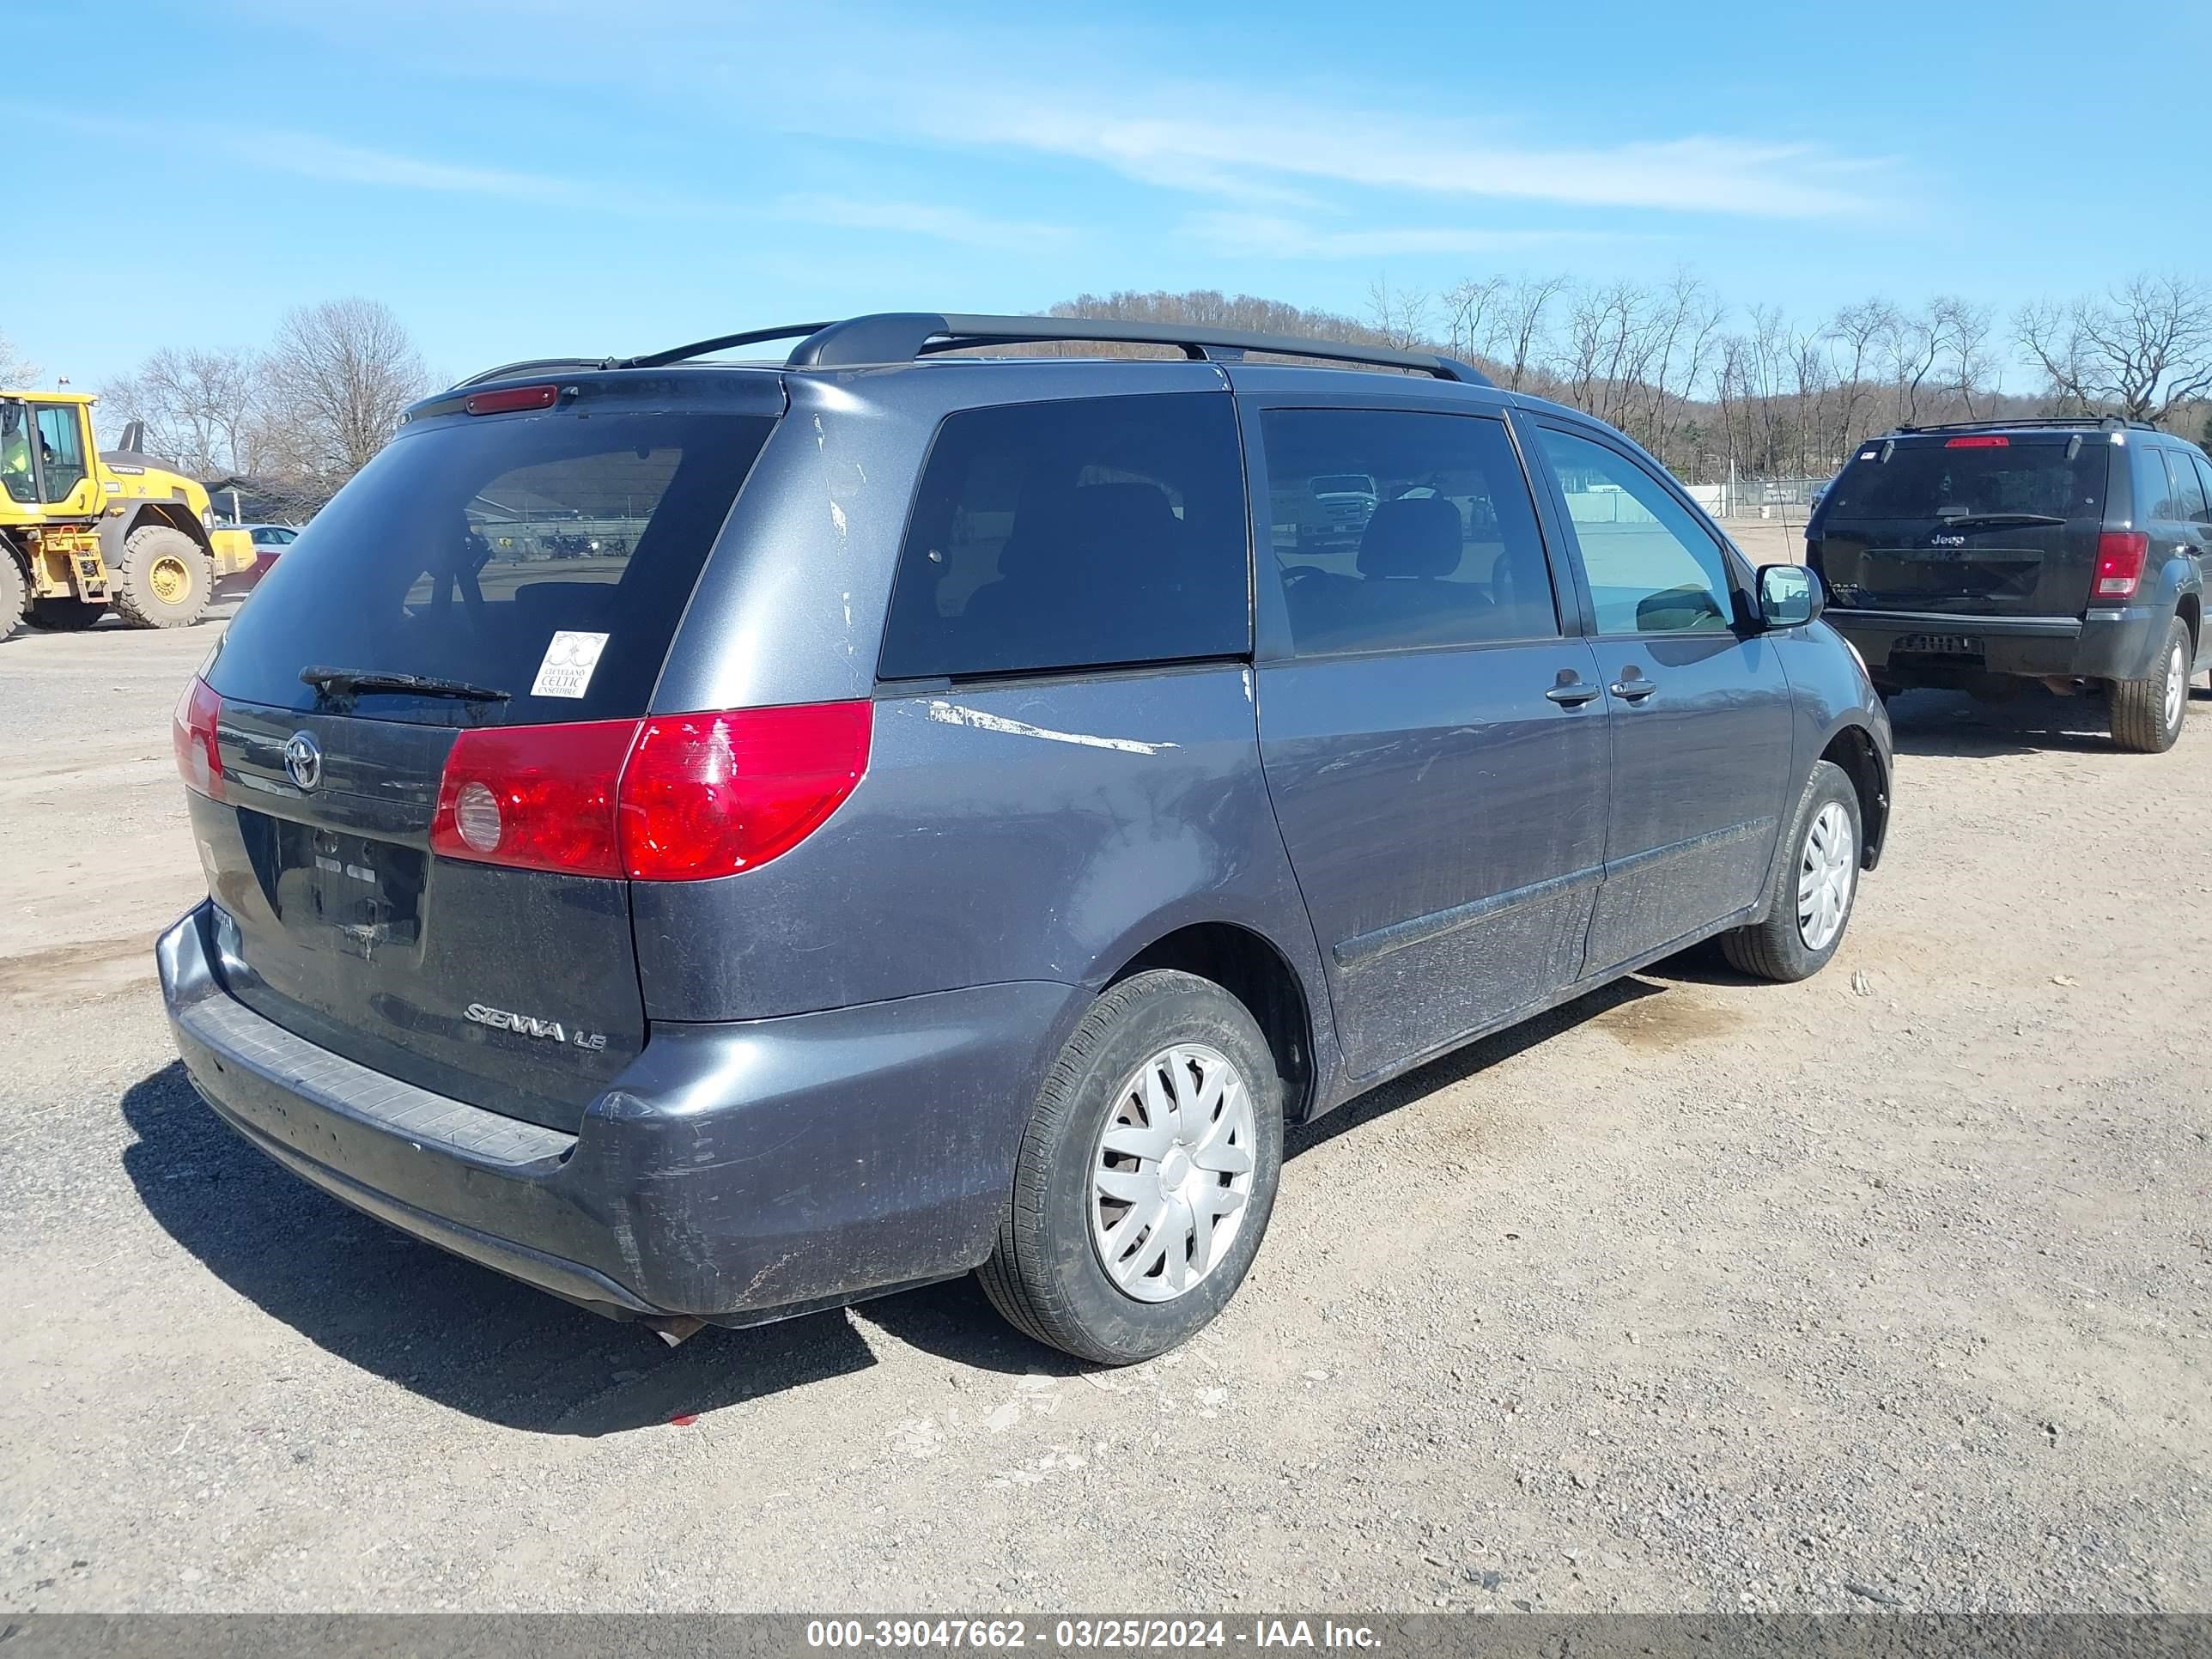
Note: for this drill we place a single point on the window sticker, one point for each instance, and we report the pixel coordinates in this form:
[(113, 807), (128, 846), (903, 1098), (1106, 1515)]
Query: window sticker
[(569, 659)]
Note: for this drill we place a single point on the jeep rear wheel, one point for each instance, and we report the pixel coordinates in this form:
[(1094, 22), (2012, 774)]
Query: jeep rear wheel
[(2147, 713), (164, 580)]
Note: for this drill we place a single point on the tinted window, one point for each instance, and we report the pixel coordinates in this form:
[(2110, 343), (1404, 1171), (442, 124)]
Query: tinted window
[(464, 548), (1075, 534), (2204, 484), (2188, 493), (1652, 567), (2154, 485), (1931, 479), (1396, 528)]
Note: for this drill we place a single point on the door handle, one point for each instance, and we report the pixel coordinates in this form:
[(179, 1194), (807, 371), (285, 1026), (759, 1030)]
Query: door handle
[(1572, 695), (1632, 686)]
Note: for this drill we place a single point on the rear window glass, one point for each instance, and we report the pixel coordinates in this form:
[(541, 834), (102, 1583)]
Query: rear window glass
[(548, 557), (1435, 543), (1074, 534), (1930, 480)]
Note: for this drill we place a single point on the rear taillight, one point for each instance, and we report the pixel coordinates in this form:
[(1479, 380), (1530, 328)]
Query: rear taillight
[(712, 794), (2120, 555), (675, 798), (192, 732), (1978, 443), (537, 796)]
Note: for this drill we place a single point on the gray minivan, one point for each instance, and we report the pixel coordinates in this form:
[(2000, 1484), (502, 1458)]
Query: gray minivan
[(956, 820)]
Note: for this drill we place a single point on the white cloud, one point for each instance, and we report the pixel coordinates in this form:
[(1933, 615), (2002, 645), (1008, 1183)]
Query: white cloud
[(1278, 237), (1264, 145), (949, 224)]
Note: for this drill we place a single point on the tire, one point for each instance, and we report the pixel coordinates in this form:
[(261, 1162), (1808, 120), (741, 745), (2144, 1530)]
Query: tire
[(165, 580), (2147, 713), (1049, 1274), (64, 616), (1782, 948), (14, 592)]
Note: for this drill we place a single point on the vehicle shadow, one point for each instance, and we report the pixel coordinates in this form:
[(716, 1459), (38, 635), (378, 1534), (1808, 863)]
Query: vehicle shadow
[(500, 1351), (1950, 724), (450, 1330), (1463, 1063)]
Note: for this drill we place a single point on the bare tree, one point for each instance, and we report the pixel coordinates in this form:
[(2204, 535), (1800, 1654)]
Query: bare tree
[(1522, 316), (1471, 314), (1402, 317), (1861, 334), (201, 407), (338, 376), (1963, 330), (2144, 348), (14, 370)]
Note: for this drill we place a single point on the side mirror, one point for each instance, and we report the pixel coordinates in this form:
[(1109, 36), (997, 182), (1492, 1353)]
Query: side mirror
[(1790, 596)]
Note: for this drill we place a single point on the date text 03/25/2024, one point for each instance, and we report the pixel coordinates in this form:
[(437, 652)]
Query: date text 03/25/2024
[(1161, 1635)]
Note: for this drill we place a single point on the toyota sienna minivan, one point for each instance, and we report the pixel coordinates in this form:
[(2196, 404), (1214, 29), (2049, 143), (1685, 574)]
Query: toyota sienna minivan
[(954, 820)]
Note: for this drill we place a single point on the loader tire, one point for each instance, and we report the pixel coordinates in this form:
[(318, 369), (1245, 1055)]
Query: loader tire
[(14, 592), (165, 580), (64, 616)]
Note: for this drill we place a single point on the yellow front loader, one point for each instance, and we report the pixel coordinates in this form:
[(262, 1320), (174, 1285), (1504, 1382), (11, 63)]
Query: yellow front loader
[(83, 533)]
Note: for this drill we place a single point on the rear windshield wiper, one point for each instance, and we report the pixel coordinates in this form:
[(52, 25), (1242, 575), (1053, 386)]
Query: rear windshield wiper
[(1984, 520), (338, 681)]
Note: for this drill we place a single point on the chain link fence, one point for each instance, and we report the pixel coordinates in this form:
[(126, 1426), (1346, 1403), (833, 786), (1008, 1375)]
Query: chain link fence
[(1781, 500)]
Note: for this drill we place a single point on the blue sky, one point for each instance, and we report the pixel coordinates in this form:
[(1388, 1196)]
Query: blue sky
[(523, 177)]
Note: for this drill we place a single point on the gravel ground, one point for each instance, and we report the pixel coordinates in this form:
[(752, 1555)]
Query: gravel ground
[(1887, 1289)]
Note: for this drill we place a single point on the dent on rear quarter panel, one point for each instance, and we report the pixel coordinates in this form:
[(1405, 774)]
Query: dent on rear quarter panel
[(1042, 831)]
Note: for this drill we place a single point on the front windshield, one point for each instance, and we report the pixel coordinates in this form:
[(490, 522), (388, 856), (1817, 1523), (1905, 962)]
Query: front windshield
[(15, 451)]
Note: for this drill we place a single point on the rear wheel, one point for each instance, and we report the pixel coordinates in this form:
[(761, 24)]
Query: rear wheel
[(1811, 901), (164, 580), (2147, 713), (14, 592), (1146, 1174), (65, 615)]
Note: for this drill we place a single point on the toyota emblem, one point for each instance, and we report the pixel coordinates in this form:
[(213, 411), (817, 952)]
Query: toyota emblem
[(303, 760)]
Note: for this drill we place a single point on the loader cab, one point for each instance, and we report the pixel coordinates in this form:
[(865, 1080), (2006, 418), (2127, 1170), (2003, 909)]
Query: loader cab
[(45, 457)]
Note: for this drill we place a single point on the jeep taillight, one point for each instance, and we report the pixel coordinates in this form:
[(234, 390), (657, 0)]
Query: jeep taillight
[(191, 733), (672, 798), (2120, 555)]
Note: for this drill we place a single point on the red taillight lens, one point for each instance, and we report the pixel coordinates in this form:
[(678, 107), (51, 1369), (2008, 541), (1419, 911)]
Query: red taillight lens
[(537, 796), (2120, 555), (1978, 443), (712, 794), (520, 397), (192, 732), (677, 798)]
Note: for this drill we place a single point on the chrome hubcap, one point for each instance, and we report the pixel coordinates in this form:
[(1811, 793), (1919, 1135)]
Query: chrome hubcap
[(2177, 686), (1826, 870), (1171, 1175)]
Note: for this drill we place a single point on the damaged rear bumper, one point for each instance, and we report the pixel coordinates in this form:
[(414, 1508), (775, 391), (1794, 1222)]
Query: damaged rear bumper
[(733, 1173)]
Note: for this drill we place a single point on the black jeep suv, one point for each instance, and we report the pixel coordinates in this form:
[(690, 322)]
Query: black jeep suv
[(2070, 552)]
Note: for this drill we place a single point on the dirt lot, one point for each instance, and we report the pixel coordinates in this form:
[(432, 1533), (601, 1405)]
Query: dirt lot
[(1892, 1287)]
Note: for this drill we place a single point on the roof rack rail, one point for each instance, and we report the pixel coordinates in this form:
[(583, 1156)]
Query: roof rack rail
[(720, 343), (530, 365), (2104, 422), (901, 336)]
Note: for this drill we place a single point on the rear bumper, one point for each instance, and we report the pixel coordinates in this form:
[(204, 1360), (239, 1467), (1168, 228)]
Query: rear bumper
[(2118, 644), (733, 1173)]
